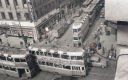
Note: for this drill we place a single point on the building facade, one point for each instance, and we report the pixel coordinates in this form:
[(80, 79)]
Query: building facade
[(29, 17)]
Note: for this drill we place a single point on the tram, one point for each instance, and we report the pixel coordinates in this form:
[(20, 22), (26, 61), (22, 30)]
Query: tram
[(14, 65), (65, 63), (93, 10)]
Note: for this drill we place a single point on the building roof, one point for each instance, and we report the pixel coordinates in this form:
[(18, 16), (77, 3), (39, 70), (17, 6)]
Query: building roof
[(122, 34), (122, 66)]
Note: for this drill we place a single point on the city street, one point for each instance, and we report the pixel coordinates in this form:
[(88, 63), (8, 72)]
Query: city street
[(95, 73)]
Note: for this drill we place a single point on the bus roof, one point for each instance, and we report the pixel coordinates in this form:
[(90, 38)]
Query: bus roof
[(18, 56), (75, 53), (76, 25)]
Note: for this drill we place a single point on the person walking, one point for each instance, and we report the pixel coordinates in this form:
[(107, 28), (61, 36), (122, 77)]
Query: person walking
[(0, 41)]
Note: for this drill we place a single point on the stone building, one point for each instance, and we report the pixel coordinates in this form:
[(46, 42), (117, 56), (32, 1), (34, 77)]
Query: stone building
[(30, 17)]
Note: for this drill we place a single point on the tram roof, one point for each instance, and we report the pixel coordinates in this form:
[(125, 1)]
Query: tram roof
[(75, 53), (18, 56)]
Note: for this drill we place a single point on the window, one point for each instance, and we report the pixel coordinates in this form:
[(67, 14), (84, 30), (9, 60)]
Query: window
[(41, 62), (83, 68), (26, 15), (65, 56), (2, 57), (3, 15), (33, 52), (49, 54), (49, 64), (27, 70), (79, 29), (6, 67), (79, 57), (12, 69), (75, 68), (58, 65), (0, 66), (76, 38), (45, 53), (0, 3), (41, 53), (7, 3), (15, 3), (22, 60), (56, 55), (74, 30), (30, 51), (66, 67), (17, 60), (9, 58), (37, 52), (73, 58), (24, 2), (10, 16), (19, 16)]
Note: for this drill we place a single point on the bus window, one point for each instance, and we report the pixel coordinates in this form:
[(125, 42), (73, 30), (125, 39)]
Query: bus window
[(75, 38), (64, 56), (83, 68), (12, 69), (73, 58), (37, 52), (56, 55), (27, 70), (33, 52), (30, 51), (41, 62), (58, 65), (49, 64), (49, 54), (45, 53), (79, 57), (74, 30), (17, 60), (41, 53), (2, 57), (79, 29), (22, 60), (9, 59), (75, 68), (66, 67), (0, 66), (6, 67)]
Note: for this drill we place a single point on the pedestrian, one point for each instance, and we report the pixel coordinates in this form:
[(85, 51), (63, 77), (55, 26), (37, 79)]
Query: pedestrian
[(21, 44), (0, 41), (99, 46), (8, 44)]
